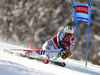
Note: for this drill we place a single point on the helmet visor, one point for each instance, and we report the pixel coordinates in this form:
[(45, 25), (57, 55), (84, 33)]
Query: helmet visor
[(68, 34)]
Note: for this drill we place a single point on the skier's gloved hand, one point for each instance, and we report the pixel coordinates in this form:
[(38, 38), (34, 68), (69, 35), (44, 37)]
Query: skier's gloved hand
[(65, 54), (68, 52)]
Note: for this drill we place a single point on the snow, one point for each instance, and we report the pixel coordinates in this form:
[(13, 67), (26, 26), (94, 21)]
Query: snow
[(16, 65)]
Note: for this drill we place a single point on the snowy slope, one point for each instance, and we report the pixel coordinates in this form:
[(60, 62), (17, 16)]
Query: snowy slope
[(15, 65)]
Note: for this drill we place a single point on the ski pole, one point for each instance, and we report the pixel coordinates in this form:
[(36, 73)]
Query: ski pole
[(59, 54), (56, 58), (32, 50)]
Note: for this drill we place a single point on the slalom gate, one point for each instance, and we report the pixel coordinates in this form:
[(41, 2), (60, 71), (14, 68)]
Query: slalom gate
[(82, 13)]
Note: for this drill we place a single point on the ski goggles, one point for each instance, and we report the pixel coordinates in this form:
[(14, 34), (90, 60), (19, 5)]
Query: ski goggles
[(68, 34)]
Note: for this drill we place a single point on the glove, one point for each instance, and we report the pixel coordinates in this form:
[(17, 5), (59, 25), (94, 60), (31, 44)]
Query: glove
[(65, 54), (63, 57)]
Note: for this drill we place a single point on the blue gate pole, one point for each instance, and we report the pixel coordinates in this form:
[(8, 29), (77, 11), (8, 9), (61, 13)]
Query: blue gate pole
[(87, 45), (90, 1), (75, 18), (76, 29), (88, 33), (72, 3)]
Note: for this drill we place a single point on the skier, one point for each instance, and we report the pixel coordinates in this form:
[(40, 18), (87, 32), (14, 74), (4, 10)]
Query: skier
[(62, 43)]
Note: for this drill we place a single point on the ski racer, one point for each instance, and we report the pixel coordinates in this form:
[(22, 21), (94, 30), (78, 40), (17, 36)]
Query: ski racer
[(63, 43)]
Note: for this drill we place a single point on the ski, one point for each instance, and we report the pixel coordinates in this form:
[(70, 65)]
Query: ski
[(45, 60), (56, 63), (38, 59)]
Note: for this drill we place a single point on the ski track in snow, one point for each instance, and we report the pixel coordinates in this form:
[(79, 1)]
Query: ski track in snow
[(15, 65)]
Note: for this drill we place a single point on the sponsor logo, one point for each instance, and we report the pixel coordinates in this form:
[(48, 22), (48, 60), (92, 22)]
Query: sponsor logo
[(81, 9), (80, 19)]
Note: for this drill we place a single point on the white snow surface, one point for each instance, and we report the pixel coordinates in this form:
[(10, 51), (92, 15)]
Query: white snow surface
[(16, 65)]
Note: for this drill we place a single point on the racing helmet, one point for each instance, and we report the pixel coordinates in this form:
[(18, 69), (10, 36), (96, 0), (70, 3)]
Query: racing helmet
[(69, 29)]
